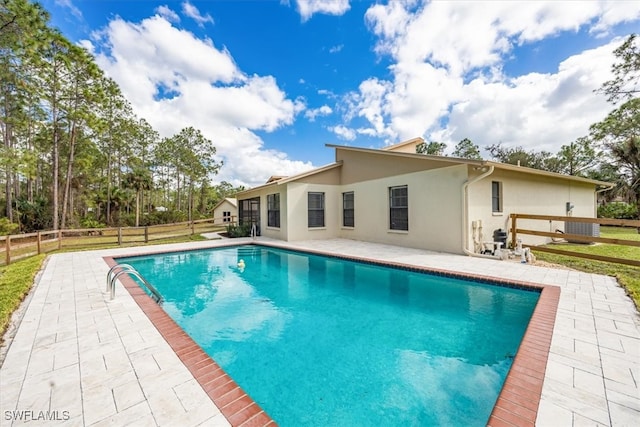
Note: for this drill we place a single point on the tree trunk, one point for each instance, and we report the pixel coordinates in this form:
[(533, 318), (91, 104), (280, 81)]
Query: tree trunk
[(190, 200), (8, 172), (108, 207), (67, 186), (178, 205), (137, 208), (55, 151)]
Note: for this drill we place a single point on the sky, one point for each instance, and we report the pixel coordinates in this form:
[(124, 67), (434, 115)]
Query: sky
[(270, 82)]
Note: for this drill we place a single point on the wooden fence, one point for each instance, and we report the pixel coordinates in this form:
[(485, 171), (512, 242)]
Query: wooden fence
[(18, 246), (577, 237)]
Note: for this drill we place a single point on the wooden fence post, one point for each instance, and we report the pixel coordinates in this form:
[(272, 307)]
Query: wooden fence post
[(59, 239), (39, 240), (146, 234), (119, 236), (8, 251), (192, 227), (513, 231)]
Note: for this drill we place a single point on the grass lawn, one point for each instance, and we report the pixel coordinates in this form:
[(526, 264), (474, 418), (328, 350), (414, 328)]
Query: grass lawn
[(628, 276), (15, 282)]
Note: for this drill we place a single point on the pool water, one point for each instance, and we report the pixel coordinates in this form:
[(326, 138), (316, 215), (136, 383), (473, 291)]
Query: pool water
[(323, 341)]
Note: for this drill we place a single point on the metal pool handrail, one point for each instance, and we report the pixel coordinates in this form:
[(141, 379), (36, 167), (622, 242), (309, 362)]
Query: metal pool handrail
[(113, 275)]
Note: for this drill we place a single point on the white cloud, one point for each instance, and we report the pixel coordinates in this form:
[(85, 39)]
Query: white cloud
[(192, 12), (325, 110), (307, 8), (167, 13), (447, 80), (336, 49), (207, 89), (540, 111), (344, 132), (68, 4)]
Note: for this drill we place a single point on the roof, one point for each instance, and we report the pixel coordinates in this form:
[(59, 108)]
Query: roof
[(397, 151), (231, 200), (404, 145), (273, 178), (295, 177), (473, 162)]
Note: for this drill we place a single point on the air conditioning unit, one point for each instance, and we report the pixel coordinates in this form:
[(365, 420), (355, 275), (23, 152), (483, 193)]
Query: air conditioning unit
[(581, 228)]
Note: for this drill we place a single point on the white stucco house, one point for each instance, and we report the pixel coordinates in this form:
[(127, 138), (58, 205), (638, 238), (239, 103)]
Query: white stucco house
[(226, 211), (396, 196)]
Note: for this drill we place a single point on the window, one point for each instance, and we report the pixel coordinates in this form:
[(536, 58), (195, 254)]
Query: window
[(496, 196), (398, 208), (226, 216), (347, 209), (249, 213), (273, 210), (315, 209)]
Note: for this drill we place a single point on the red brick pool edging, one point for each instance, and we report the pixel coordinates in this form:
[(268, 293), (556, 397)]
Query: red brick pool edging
[(516, 405), (237, 407)]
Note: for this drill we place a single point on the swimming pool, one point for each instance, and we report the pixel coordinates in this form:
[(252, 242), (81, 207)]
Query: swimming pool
[(323, 341)]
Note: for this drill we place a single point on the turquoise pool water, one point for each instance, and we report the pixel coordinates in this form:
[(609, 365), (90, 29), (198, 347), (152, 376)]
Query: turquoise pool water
[(322, 341)]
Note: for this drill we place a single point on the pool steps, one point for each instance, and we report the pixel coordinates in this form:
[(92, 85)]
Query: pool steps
[(120, 269)]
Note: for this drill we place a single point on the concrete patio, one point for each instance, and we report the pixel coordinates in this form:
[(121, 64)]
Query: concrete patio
[(83, 360)]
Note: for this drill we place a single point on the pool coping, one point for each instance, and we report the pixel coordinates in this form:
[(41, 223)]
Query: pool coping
[(517, 402)]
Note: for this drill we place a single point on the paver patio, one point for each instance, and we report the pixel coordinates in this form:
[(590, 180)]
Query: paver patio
[(88, 361)]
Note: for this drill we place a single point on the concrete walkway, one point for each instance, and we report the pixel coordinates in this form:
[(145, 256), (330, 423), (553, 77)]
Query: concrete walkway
[(79, 359)]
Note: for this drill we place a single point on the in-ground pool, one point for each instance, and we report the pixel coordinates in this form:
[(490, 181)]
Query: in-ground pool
[(323, 341)]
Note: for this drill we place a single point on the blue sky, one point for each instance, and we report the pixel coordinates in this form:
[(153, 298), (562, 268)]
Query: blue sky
[(271, 82)]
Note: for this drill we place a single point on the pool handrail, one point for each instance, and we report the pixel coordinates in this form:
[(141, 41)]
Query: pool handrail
[(112, 271), (127, 269)]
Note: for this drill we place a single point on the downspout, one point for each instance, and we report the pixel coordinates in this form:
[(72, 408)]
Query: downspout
[(465, 214)]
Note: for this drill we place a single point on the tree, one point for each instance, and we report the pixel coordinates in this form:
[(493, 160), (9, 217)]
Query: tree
[(78, 105), (619, 132), (578, 157), (138, 180), (432, 148), (113, 112), (22, 29), (70, 140), (55, 62), (625, 84), (196, 159), (187, 158), (542, 160), (467, 150)]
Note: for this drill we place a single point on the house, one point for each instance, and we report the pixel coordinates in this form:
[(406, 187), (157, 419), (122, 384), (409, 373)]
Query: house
[(395, 196), (226, 211)]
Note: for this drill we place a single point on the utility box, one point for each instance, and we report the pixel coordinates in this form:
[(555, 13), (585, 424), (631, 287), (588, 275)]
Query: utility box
[(581, 228)]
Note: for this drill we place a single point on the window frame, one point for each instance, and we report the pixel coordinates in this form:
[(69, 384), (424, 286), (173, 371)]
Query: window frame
[(497, 203), (401, 222), (312, 220), (273, 210), (348, 213), (226, 216)]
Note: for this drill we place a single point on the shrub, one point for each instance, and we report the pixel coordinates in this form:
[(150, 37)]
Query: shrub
[(242, 230), (618, 210), (91, 223), (7, 227)]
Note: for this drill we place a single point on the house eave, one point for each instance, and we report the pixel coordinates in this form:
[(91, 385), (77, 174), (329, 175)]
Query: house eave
[(292, 178)]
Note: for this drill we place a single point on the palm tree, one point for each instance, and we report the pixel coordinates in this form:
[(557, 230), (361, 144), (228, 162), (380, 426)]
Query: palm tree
[(139, 179)]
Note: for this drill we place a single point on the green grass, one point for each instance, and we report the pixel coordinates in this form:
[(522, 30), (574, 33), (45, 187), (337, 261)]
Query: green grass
[(627, 276), (15, 282)]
